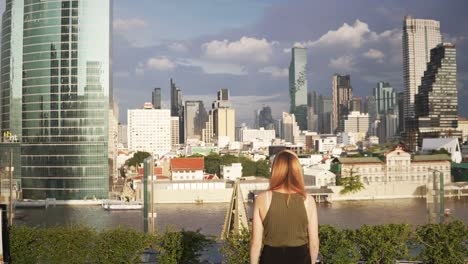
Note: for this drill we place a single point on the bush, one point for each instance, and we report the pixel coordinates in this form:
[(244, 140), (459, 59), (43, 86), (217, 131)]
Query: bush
[(235, 248), (337, 246)]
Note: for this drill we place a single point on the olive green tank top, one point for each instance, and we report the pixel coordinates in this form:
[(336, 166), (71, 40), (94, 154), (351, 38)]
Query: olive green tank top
[(285, 225)]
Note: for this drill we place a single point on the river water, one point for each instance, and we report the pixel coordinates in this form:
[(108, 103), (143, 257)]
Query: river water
[(210, 217)]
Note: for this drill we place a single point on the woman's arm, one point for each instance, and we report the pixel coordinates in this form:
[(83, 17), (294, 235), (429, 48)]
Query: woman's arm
[(257, 231), (313, 229)]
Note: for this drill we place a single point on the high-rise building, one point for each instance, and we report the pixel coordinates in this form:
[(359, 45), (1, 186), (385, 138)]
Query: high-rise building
[(355, 104), (175, 131), (221, 119), (156, 98), (56, 94), (195, 118), (122, 135), (342, 93), (325, 114), (385, 98), (401, 111), (289, 127), (419, 37), (177, 108), (113, 139), (298, 85), (436, 104), (265, 118), (149, 130), (355, 122)]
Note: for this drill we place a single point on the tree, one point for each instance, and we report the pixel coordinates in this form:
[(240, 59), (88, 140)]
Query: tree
[(248, 166), (137, 158), (351, 183), (212, 163), (262, 168), (337, 246), (235, 248)]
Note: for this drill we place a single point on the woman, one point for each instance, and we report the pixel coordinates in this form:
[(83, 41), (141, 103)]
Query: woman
[(285, 217)]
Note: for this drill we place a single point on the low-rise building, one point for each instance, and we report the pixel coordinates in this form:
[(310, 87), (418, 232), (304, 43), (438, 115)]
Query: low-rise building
[(232, 172), (185, 169), (451, 145)]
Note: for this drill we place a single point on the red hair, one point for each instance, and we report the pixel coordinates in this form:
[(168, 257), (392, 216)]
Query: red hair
[(287, 172)]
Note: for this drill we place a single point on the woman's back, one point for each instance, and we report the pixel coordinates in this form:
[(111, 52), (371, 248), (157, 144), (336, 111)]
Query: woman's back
[(285, 223)]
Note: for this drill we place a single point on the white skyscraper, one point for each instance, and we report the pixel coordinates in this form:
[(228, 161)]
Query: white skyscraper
[(419, 37), (149, 130), (289, 127)]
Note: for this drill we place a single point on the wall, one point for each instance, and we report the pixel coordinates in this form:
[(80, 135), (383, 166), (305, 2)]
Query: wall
[(391, 190)]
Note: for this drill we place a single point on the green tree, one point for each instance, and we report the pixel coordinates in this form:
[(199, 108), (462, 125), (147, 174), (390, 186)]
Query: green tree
[(137, 158), (228, 159), (213, 163), (443, 243), (182, 246), (263, 168), (351, 183), (248, 166), (383, 244), (337, 246), (235, 248)]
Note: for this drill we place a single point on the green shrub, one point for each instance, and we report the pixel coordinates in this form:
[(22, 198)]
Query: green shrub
[(235, 248), (337, 246)]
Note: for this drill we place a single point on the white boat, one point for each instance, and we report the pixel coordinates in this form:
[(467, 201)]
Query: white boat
[(116, 205)]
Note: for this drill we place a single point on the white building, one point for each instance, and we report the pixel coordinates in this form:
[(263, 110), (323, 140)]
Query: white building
[(290, 129), (450, 144), (122, 135), (149, 130), (251, 135), (175, 138), (187, 169), (232, 172), (356, 122), (351, 138), (419, 37), (318, 176), (326, 144)]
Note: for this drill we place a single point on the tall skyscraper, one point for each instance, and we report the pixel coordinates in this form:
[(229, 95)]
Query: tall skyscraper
[(55, 94), (385, 97), (325, 114), (177, 108), (221, 120), (298, 85), (342, 93), (156, 98), (195, 119), (436, 105), (265, 118), (289, 127), (419, 37)]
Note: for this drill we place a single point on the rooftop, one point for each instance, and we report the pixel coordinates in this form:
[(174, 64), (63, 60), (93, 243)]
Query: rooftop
[(435, 157), (179, 164), (359, 160)]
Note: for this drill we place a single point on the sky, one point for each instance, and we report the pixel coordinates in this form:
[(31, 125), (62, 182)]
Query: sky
[(244, 45)]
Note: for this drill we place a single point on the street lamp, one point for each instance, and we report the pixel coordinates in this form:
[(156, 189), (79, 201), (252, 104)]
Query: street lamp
[(437, 193)]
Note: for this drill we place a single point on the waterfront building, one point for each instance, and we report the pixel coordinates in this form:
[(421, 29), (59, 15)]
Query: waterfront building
[(195, 118), (436, 103), (385, 97), (289, 127), (298, 85), (122, 136), (177, 109), (398, 166), (55, 95), (175, 140), (451, 145), (342, 93), (232, 172), (187, 169), (419, 37), (149, 130), (156, 98)]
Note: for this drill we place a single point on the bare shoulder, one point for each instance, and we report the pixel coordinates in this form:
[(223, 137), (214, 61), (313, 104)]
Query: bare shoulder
[(310, 201), (261, 197)]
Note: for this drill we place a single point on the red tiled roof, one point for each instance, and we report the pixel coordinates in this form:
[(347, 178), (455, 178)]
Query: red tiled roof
[(157, 171), (178, 164)]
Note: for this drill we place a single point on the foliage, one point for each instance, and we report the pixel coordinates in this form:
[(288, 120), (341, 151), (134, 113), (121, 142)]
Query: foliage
[(351, 183), (235, 248), (214, 161), (383, 243), (443, 243), (196, 155), (337, 246), (263, 168), (137, 158), (249, 167), (441, 151)]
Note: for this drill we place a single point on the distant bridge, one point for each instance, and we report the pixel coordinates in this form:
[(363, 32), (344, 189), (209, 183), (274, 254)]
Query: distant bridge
[(236, 215)]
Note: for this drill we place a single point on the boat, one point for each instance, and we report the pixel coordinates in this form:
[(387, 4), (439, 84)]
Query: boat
[(120, 205)]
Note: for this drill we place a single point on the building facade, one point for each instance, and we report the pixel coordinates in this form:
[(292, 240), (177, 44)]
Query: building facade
[(289, 127), (156, 98), (195, 117), (342, 93), (56, 94), (187, 169), (149, 130), (419, 37), (298, 85), (385, 97), (177, 108)]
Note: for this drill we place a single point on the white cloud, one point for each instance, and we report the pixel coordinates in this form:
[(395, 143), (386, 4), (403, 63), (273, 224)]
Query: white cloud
[(374, 54), (128, 24), (275, 71), (347, 35), (160, 64), (344, 63), (209, 67), (178, 47), (246, 49)]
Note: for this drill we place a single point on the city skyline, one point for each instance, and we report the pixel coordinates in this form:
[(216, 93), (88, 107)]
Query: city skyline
[(373, 48)]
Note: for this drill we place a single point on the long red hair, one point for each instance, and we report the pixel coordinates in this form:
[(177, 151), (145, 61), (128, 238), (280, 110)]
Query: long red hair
[(287, 172)]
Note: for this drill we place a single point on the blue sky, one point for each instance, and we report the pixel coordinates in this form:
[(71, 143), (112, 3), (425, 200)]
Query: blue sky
[(243, 45)]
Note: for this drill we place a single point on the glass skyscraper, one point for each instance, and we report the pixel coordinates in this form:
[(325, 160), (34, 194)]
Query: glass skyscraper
[(55, 94), (298, 85)]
